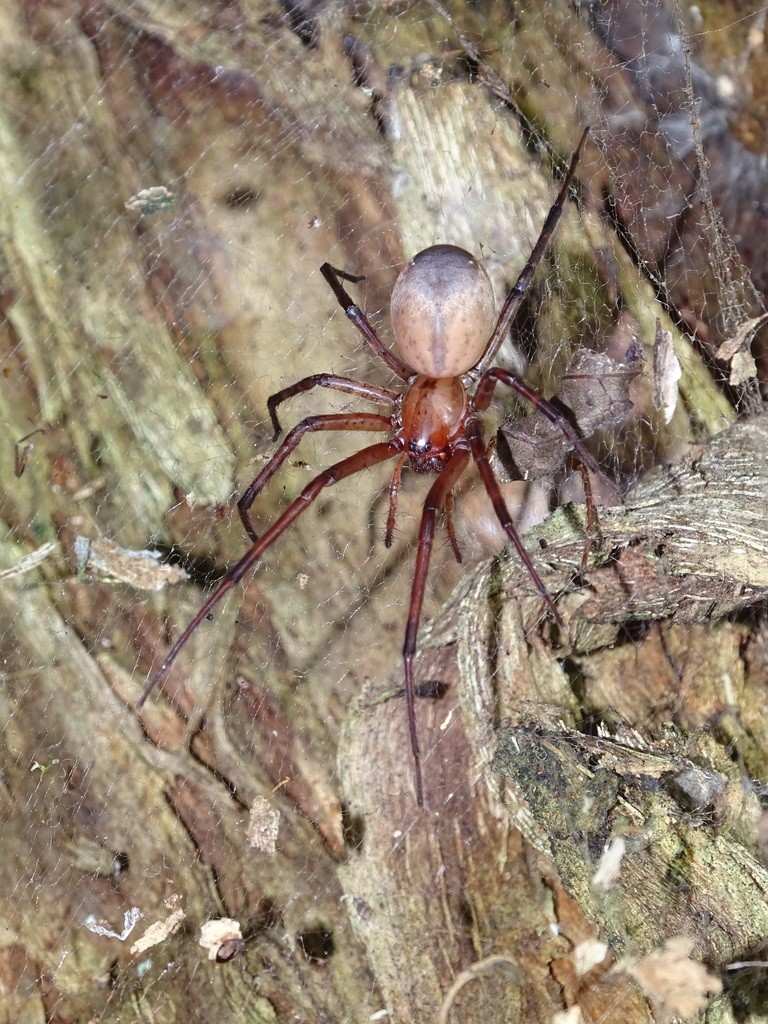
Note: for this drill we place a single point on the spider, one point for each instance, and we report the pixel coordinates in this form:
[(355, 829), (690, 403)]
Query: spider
[(445, 328)]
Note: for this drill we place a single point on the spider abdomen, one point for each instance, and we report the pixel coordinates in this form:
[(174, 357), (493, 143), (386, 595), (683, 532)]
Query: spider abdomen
[(432, 415), (443, 311)]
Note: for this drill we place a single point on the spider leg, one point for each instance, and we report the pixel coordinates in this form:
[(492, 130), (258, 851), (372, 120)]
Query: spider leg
[(361, 322), (485, 389), (364, 459), (394, 491), (477, 447), (327, 380), (515, 297), (450, 527), (434, 502), (330, 421)]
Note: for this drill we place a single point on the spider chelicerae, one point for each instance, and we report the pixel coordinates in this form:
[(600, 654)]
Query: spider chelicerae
[(444, 324)]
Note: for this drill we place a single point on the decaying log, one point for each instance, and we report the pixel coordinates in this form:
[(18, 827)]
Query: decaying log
[(172, 176)]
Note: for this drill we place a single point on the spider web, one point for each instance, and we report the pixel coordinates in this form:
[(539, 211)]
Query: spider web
[(173, 176)]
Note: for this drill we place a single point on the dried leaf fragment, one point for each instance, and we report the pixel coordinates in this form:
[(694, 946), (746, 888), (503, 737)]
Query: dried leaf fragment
[(160, 930), (140, 569), (222, 938), (675, 984), (735, 351), (666, 373), (596, 390), (263, 825), (589, 954)]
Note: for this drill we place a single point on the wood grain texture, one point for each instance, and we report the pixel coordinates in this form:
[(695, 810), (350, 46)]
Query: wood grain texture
[(145, 347)]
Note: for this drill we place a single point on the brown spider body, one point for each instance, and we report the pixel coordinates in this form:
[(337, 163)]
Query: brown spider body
[(446, 330), (432, 418)]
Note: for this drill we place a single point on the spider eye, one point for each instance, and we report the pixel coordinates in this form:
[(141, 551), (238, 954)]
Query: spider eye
[(420, 446), (426, 457)]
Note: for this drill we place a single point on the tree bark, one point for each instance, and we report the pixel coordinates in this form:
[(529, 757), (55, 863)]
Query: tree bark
[(142, 335)]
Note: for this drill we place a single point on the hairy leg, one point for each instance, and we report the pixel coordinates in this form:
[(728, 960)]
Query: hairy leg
[(364, 459), (371, 392), (516, 295), (477, 447), (434, 502), (331, 421), (360, 320)]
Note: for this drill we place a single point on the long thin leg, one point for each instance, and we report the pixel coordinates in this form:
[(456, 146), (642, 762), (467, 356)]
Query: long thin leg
[(371, 392), (364, 459), (495, 375), (515, 297), (360, 320), (330, 421), (434, 502), (451, 529), (477, 447), (394, 491)]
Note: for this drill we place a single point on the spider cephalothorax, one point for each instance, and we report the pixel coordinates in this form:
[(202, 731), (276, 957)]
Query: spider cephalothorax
[(446, 331), (432, 420)]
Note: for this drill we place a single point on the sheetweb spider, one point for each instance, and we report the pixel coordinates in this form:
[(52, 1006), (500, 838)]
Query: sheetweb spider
[(442, 315)]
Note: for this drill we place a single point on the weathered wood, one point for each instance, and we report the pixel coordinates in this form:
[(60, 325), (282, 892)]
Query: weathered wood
[(645, 651), (145, 346)]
